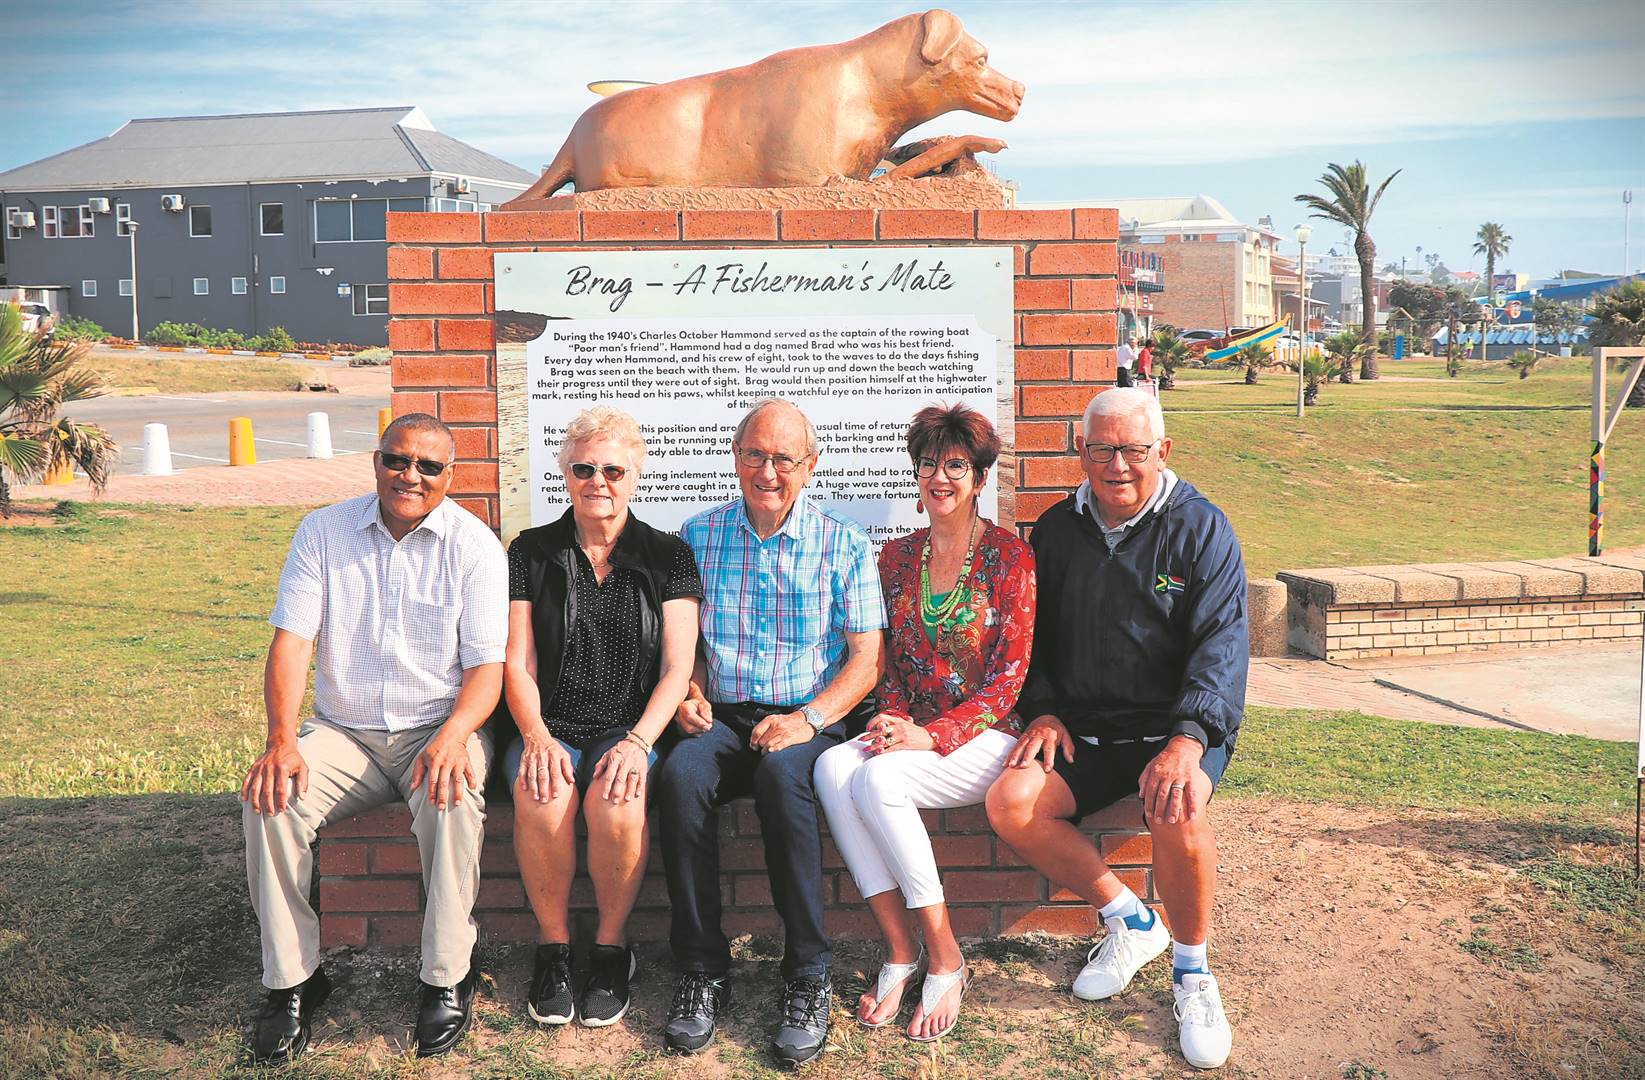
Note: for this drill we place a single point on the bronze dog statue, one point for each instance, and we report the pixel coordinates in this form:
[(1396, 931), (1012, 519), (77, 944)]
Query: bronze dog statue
[(798, 118)]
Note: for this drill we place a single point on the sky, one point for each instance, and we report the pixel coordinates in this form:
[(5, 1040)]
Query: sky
[(1531, 115)]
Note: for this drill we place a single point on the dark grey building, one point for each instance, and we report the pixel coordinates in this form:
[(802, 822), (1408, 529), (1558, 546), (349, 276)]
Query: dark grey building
[(242, 222)]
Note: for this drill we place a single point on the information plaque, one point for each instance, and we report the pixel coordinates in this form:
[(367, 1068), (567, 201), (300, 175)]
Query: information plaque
[(686, 341)]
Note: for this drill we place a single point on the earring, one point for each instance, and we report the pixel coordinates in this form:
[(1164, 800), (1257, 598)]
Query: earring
[(919, 506)]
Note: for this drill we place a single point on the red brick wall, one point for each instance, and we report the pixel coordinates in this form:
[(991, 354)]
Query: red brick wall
[(440, 300), (371, 889), (1203, 283)]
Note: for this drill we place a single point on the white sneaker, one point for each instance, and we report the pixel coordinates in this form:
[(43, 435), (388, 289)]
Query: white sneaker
[(1202, 1026), (1117, 957)]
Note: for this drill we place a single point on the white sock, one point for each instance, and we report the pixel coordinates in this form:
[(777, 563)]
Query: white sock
[(1125, 904), (1188, 958)]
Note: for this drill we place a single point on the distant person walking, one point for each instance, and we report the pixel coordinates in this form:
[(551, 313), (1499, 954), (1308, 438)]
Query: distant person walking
[(1145, 360)]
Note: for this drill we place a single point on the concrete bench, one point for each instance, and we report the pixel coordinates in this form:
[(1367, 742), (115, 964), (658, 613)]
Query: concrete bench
[(371, 885), (1345, 613)]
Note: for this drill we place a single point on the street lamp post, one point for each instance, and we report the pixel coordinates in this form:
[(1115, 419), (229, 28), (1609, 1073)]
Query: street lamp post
[(1303, 233), (131, 231)]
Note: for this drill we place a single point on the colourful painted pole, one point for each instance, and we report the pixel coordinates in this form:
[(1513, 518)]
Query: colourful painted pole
[(1596, 500)]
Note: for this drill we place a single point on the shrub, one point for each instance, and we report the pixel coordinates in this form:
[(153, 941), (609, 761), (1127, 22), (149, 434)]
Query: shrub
[(375, 357), (1524, 362), (276, 340), (78, 328)]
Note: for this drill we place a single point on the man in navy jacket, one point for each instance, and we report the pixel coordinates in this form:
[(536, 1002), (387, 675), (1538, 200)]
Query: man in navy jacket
[(1136, 686)]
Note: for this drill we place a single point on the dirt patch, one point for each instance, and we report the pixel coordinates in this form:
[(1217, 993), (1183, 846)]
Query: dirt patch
[(31, 516)]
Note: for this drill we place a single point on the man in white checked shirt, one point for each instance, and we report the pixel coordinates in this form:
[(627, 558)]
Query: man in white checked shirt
[(401, 600)]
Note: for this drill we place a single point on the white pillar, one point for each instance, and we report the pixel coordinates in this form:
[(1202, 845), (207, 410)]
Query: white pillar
[(319, 435), (156, 450)]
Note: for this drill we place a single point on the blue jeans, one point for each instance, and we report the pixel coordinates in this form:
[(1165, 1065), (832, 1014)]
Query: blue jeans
[(583, 762), (704, 772)]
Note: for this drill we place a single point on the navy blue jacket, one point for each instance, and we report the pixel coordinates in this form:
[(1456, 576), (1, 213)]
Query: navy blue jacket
[(1149, 640)]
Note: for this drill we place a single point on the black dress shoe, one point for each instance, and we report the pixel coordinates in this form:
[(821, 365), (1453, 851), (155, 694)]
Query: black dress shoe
[(804, 1028), (444, 1014), (283, 1023), (698, 1001)]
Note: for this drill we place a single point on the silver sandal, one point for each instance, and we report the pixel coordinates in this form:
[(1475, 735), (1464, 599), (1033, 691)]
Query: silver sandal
[(890, 977), (932, 991)]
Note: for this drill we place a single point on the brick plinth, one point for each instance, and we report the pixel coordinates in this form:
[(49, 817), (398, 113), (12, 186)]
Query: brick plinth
[(1064, 261), (371, 891), (1352, 613)]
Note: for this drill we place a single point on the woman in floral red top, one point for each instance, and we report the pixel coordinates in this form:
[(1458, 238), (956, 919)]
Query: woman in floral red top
[(960, 604)]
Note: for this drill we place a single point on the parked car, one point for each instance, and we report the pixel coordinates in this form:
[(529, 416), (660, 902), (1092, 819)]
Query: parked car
[(1200, 335), (36, 317)]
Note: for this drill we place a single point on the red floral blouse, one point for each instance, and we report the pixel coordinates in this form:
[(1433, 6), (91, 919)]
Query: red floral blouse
[(969, 681)]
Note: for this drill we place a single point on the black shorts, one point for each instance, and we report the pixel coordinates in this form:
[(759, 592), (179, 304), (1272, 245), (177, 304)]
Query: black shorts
[(1100, 776)]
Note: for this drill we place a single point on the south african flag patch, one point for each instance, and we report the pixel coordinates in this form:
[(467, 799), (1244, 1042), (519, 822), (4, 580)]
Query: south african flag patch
[(1169, 583)]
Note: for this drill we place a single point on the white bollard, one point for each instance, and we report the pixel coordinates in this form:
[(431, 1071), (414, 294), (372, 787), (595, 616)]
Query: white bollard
[(156, 450), (319, 435)]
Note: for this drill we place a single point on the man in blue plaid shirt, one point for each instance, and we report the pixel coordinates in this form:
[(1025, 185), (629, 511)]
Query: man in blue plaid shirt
[(791, 623)]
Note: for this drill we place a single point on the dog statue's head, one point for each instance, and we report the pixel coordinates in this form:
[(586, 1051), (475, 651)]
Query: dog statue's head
[(956, 64)]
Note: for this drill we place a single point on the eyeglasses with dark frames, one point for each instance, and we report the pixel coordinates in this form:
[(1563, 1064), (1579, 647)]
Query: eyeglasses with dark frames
[(1103, 453), (755, 460), (584, 470), (953, 468), (399, 463)]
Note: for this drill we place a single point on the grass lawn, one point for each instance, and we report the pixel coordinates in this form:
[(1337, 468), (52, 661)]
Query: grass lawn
[(193, 374), (1486, 466), (127, 946)]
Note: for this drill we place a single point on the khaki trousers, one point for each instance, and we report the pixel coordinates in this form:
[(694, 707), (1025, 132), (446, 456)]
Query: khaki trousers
[(350, 771)]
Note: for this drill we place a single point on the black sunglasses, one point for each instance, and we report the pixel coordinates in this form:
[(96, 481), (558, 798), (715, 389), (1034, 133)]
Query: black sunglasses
[(583, 470), (398, 463)]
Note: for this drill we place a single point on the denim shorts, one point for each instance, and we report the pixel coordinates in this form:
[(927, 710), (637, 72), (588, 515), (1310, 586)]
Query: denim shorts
[(583, 762)]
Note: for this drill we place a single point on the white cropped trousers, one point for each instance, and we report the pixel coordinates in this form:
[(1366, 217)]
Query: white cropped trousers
[(873, 804)]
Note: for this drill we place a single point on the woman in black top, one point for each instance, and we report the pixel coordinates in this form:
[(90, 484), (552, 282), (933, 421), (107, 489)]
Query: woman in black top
[(602, 632)]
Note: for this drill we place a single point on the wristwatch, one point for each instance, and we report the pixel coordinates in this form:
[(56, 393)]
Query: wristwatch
[(813, 717)]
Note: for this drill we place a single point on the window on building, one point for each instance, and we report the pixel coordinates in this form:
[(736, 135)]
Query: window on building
[(370, 299), (88, 287), (405, 206), (237, 286), (14, 230), (66, 222), (274, 219), (202, 286), (199, 221), (122, 219), (277, 284), (338, 221), (460, 206), (125, 286)]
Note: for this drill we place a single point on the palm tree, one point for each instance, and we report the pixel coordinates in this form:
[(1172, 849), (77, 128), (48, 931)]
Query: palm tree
[(1351, 204), (1492, 243), (1618, 321), (38, 376), (1170, 353), (1252, 357), (1344, 349)]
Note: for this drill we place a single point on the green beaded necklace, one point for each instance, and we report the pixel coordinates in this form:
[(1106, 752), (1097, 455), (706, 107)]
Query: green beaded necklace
[(936, 613)]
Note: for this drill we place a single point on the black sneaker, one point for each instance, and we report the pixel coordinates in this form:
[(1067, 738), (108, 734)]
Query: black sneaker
[(605, 998), (283, 1022), (698, 1001), (804, 1028), (550, 999)]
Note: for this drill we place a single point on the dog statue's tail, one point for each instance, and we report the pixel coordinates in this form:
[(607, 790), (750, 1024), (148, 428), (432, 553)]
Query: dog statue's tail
[(560, 172)]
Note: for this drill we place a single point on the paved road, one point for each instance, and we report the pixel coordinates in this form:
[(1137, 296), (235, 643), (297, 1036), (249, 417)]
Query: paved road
[(198, 423)]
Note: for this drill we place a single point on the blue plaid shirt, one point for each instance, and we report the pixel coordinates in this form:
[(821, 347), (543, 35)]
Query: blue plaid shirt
[(776, 612)]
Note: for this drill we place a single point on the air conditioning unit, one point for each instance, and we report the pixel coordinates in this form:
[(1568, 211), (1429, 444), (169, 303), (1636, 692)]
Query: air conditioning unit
[(173, 203), (23, 219), (459, 186), (98, 205)]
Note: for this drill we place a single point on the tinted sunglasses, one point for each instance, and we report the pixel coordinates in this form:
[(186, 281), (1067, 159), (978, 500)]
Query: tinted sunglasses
[(397, 463), (582, 470)]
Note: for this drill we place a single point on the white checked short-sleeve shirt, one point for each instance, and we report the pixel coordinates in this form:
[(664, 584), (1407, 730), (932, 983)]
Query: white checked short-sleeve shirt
[(394, 624)]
